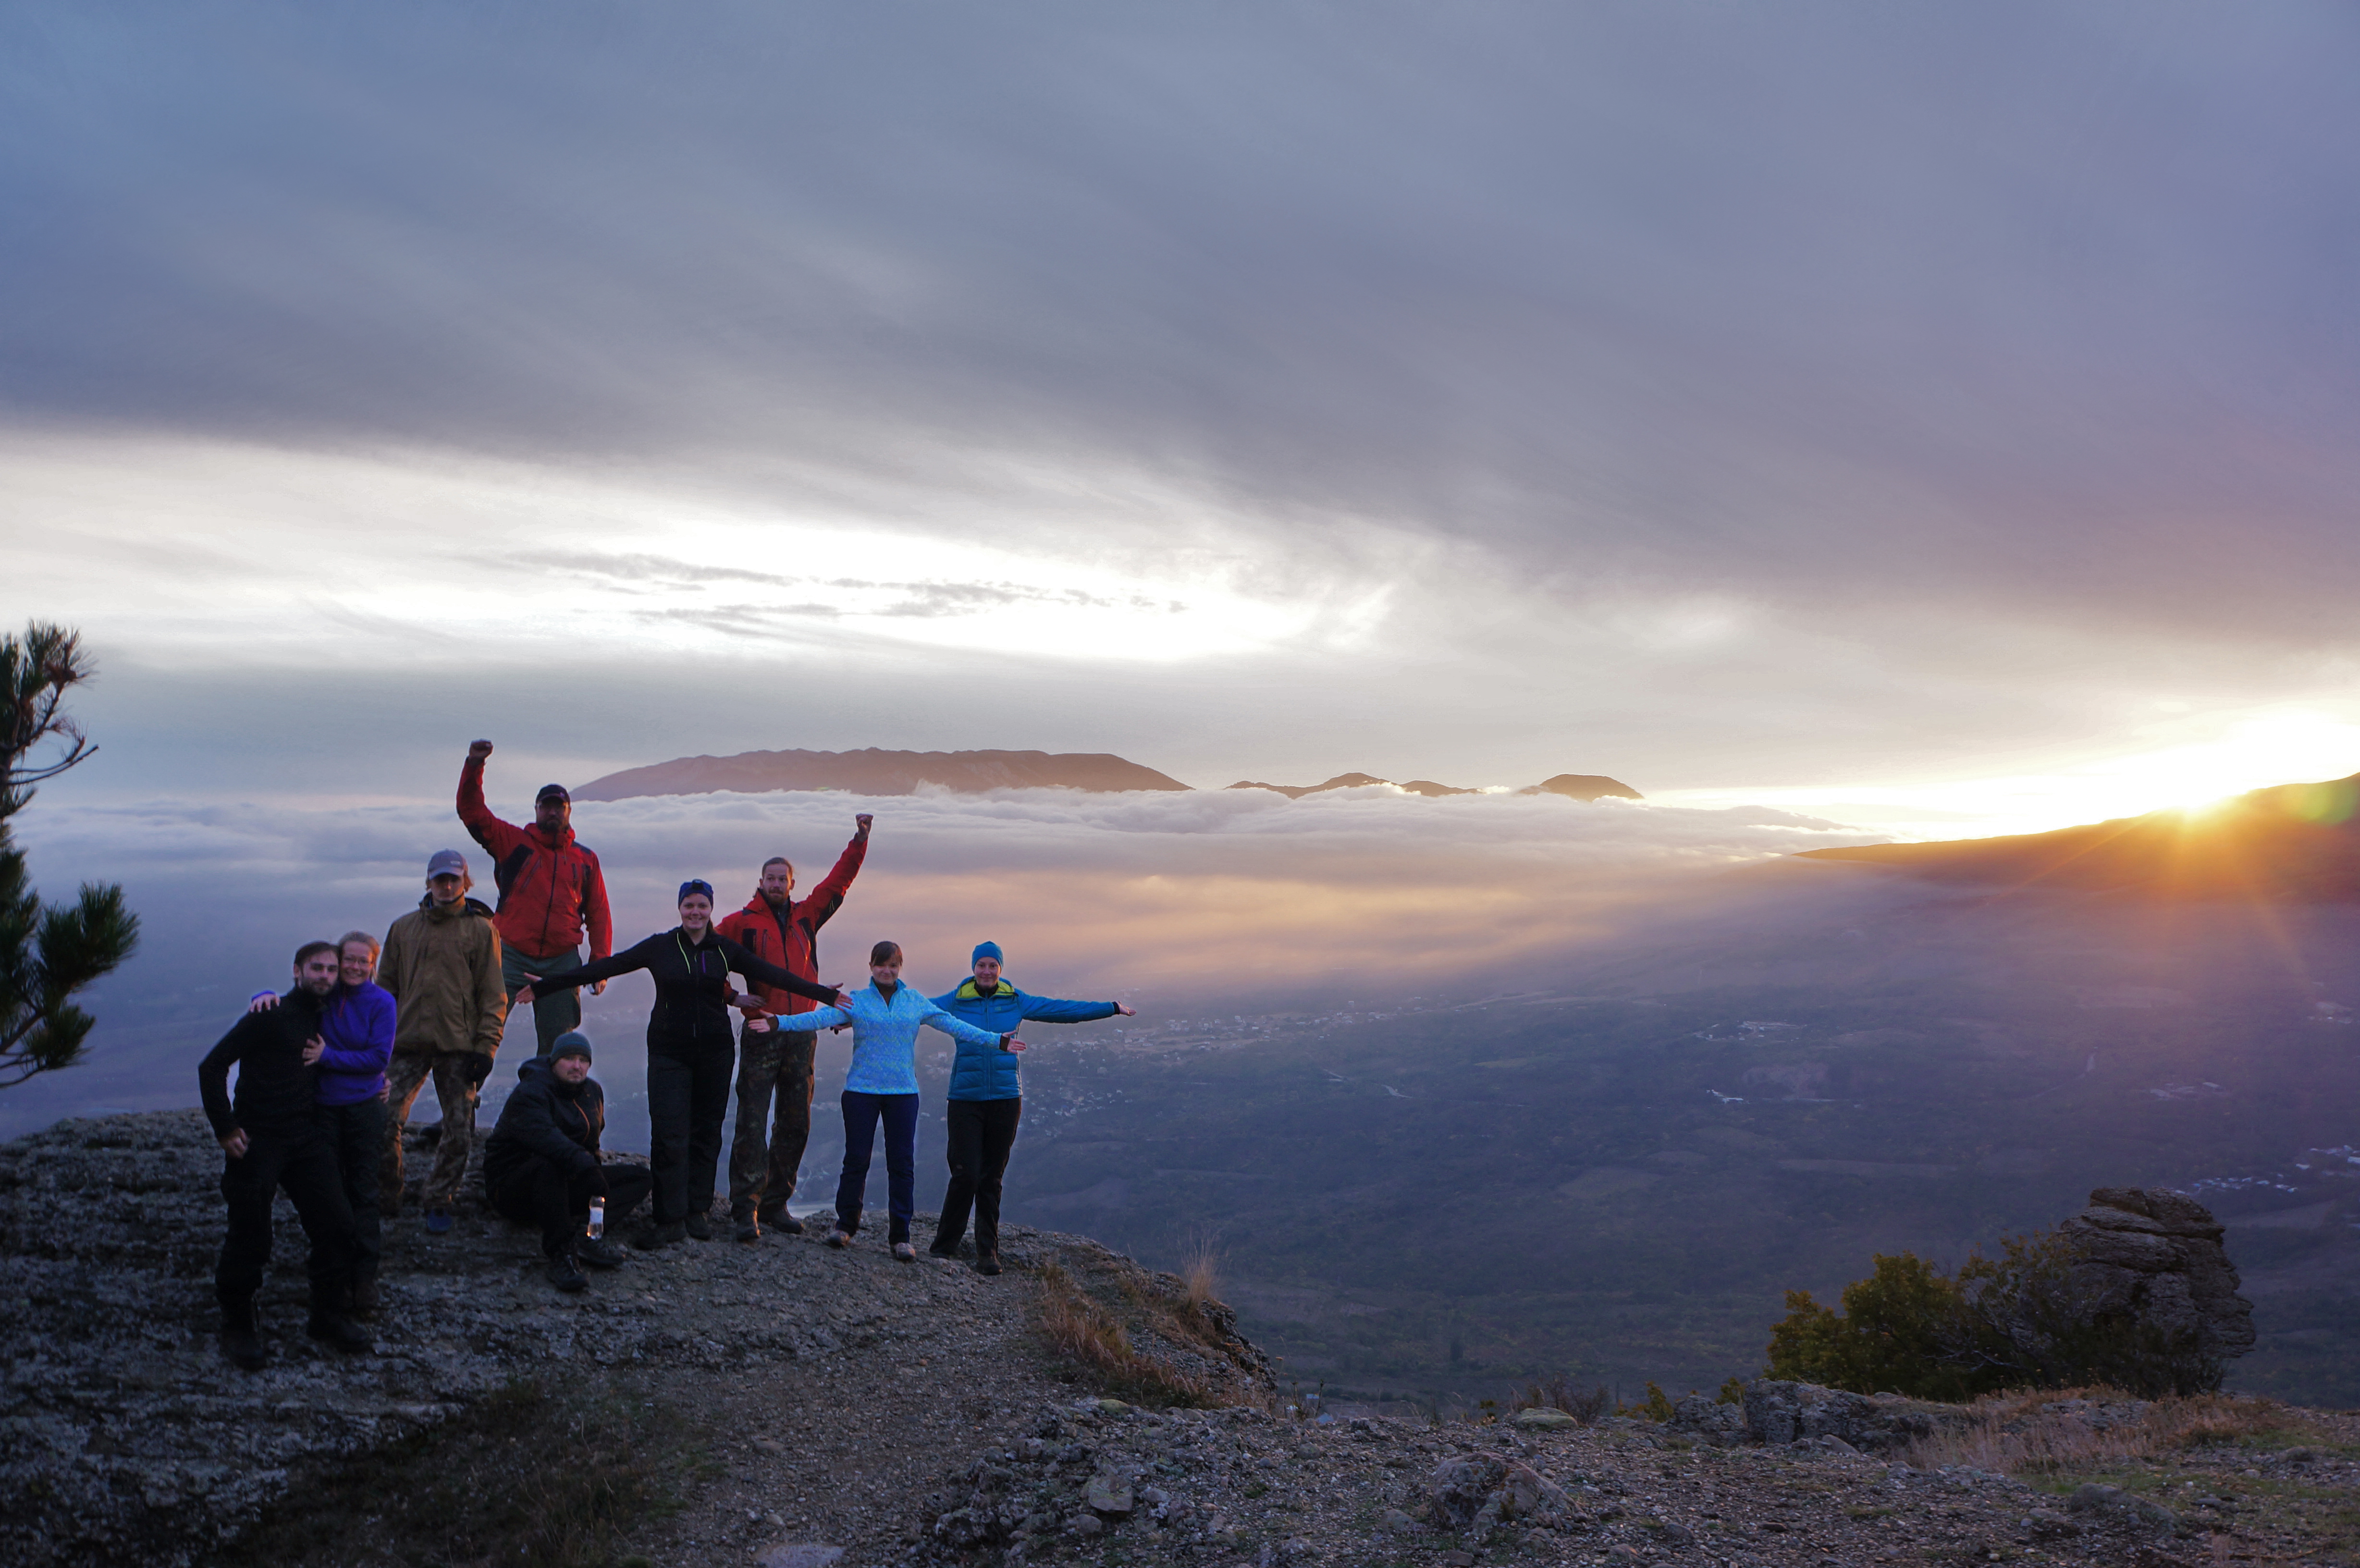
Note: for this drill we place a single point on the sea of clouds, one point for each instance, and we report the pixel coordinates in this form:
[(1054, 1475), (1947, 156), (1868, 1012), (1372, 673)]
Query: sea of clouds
[(1202, 899)]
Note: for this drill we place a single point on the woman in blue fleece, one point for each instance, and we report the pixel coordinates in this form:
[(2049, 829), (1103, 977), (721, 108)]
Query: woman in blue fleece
[(985, 1100), (885, 1016)]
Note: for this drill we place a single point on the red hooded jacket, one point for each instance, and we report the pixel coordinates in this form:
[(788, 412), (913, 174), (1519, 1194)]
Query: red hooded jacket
[(550, 889), (788, 936)]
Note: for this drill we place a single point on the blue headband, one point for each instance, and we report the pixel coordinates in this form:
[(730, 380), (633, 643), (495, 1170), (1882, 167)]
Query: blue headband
[(984, 950), (694, 885)]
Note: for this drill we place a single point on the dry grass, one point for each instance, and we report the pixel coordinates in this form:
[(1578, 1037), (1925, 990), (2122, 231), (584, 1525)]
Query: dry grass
[(2077, 1429), (1081, 1328), (1200, 1276)]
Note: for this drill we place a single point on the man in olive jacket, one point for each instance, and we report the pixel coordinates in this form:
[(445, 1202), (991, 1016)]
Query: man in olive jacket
[(441, 963)]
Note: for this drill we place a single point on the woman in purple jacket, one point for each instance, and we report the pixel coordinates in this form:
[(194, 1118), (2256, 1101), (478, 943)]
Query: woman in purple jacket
[(357, 1027)]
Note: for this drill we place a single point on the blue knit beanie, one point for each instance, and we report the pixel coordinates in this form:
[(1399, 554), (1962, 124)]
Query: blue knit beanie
[(984, 950), (573, 1042)]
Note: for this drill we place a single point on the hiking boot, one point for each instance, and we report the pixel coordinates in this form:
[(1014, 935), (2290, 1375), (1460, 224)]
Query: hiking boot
[(438, 1221), (839, 1239), (340, 1332), (942, 1248), (241, 1341), (700, 1225), (663, 1235), (600, 1253), (749, 1229), (566, 1274), (781, 1221), (363, 1298), (987, 1263), (904, 1253)]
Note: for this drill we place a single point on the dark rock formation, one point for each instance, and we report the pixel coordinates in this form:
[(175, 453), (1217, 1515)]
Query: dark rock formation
[(875, 772), (1801, 1412), (2154, 1257)]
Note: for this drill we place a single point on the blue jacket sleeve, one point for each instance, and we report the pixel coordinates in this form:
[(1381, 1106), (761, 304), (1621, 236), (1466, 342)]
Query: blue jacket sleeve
[(956, 1027), (1049, 1010), (363, 1042), (811, 1022)]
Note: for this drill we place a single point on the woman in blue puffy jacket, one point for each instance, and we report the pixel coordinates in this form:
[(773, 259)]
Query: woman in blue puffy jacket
[(883, 1086), (985, 1100)]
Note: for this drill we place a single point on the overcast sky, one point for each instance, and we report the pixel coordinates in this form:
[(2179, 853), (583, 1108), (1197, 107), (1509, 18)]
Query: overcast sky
[(1824, 405)]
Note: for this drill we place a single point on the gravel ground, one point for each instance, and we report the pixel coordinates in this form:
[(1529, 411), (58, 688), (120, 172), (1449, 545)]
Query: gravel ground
[(816, 1402)]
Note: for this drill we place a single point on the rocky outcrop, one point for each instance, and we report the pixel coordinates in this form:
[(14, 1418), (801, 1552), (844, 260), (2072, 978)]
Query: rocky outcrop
[(2154, 1257), (1785, 1412)]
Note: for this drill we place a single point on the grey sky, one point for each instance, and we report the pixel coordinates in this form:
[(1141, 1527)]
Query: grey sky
[(1707, 395)]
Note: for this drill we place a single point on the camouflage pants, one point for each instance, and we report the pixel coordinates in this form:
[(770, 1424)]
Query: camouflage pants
[(762, 1174), (405, 1075)]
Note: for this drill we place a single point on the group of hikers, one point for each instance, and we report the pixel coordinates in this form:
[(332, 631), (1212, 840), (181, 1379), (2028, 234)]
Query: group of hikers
[(328, 1071)]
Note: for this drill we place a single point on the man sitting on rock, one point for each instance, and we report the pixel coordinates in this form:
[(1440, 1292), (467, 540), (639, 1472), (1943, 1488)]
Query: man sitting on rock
[(273, 1138), (542, 1164)]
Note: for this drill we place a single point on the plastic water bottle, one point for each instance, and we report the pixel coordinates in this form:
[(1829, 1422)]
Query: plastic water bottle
[(597, 1218)]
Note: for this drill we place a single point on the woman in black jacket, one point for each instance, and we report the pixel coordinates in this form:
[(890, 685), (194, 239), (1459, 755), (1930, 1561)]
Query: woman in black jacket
[(690, 1050)]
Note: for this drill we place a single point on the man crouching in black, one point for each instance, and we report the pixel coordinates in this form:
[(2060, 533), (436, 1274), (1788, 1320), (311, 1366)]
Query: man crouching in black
[(273, 1138), (541, 1165)]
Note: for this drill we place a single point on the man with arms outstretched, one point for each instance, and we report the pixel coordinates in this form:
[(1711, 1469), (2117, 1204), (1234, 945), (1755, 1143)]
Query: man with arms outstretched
[(551, 889), (780, 929)]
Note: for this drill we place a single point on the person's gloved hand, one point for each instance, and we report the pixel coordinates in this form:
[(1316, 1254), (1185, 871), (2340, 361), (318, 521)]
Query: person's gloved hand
[(479, 1067)]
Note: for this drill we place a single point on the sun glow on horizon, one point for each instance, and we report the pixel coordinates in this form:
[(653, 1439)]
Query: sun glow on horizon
[(2195, 778)]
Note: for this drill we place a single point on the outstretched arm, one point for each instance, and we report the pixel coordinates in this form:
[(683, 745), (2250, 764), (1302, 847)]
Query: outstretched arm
[(755, 969), (811, 1022), (637, 957), (1050, 1010), (958, 1029)]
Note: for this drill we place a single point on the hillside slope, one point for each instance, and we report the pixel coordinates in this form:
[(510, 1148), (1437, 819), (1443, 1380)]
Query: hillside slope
[(2294, 841)]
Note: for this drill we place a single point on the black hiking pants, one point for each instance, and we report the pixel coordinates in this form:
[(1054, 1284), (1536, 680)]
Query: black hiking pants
[(981, 1134), (688, 1097), (556, 1197), (355, 1135), (305, 1166)]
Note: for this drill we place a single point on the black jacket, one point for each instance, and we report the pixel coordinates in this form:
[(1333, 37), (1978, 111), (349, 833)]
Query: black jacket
[(545, 1118), (691, 981), (275, 1090)]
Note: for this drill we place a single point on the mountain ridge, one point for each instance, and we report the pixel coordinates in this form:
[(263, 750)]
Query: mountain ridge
[(876, 771), (2289, 842)]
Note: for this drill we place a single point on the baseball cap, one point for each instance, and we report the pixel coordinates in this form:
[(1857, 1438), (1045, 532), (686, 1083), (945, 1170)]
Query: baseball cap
[(557, 790), (447, 863)]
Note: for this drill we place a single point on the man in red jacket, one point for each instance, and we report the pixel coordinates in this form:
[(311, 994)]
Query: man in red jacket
[(550, 887), (778, 927)]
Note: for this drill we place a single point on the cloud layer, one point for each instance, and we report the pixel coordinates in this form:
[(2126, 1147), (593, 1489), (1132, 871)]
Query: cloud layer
[(1208, 901)]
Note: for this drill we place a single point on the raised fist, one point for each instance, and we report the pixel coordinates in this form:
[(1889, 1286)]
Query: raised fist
[(863, 820), (478, 750)]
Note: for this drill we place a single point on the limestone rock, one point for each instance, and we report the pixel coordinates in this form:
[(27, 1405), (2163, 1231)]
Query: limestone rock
[(1111, 1495), (1797, 1412), (1709, 1418), (2155, 1257), (1544, 1419)]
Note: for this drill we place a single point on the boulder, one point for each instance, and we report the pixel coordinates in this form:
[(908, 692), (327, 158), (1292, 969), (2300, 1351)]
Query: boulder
[(1544, 1419), (1709, 1420), (2154, 1255), (1799, 1412)]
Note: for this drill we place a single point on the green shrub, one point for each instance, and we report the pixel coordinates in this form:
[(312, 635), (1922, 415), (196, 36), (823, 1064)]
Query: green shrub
[(2018, 1321)]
